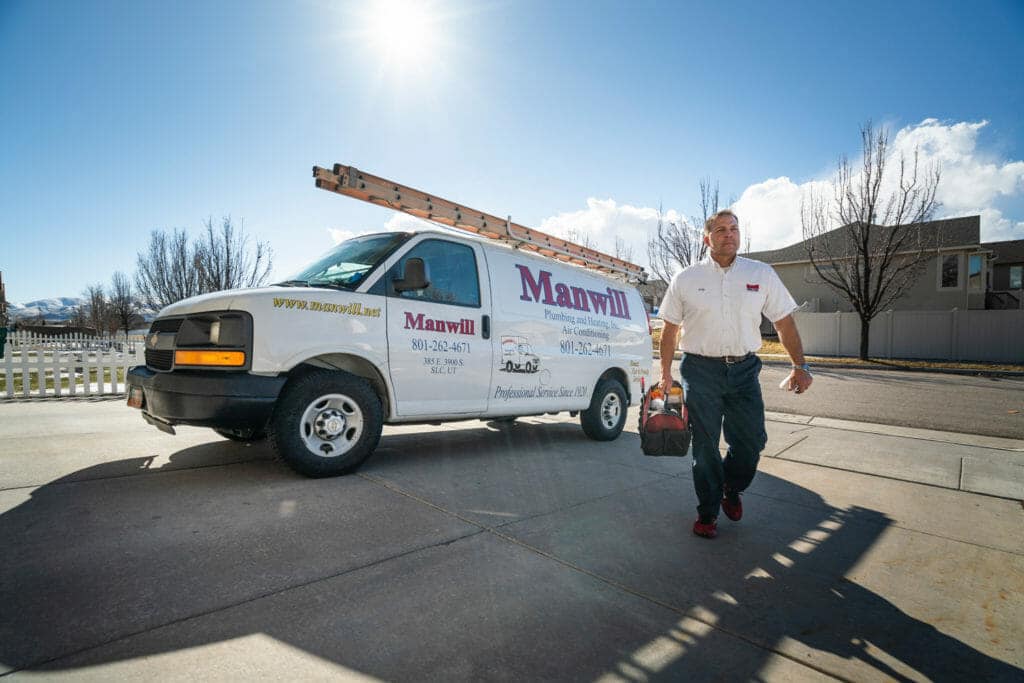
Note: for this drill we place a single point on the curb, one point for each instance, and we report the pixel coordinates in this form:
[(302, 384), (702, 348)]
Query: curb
[(819, 365), (945, 371)]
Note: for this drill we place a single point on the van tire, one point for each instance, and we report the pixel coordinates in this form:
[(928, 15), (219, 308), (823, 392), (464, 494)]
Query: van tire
[(606, 416), (326, 423), (248, 435)]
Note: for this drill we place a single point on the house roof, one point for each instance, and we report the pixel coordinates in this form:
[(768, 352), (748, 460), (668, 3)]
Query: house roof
[(952, 232), (1009, 251)]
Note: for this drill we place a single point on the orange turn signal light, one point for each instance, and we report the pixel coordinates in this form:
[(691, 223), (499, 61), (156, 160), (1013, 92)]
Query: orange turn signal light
[(233, 359)]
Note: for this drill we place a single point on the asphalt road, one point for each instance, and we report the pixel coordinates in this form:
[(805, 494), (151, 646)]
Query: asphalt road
[(953, 403)]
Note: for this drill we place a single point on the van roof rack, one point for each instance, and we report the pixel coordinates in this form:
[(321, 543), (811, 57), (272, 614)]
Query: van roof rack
[(351, 182)]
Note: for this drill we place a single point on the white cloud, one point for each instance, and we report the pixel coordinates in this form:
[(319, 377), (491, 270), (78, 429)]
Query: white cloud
[(340, 236), (996, 228), (398, 222), (769, 212), (403, 222), (604, 220), (971, 177), (972, 181)]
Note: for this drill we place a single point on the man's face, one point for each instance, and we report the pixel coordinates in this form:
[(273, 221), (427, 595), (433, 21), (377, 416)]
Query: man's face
[(724, 238)]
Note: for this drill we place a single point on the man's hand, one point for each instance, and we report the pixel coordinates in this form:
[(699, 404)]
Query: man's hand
[(799, 380), (663, 381)]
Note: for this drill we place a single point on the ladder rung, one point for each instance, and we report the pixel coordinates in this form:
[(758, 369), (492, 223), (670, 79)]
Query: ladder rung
[(351, 182)]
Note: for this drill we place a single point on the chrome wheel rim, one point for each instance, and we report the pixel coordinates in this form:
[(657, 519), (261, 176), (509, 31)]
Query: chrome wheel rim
[(331, 425), (611, 411)]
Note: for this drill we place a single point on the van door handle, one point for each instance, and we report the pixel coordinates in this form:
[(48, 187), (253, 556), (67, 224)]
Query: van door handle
[(485, 327)]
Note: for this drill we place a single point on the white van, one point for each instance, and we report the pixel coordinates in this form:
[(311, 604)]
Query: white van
[(396, 328)]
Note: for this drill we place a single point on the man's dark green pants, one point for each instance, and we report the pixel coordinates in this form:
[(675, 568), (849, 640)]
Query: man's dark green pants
[(723, 398)]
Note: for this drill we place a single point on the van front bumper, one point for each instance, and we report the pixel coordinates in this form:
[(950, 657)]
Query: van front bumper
[(224, 400)]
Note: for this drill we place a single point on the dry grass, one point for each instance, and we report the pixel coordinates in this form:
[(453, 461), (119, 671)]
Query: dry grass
[(770, 347), (33, 382)]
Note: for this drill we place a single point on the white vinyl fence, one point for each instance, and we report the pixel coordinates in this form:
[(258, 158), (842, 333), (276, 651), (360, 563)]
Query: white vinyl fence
[(989, 336), (75, 365)]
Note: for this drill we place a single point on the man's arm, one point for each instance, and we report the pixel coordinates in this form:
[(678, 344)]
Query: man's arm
[(669, 337), (799, 379)]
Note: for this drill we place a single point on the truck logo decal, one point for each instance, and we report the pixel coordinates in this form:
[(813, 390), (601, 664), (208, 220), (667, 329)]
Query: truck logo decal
[(517, 355), (611, 302), (419, 322)]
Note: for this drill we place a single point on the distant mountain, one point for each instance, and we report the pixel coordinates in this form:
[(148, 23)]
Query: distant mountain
[(57, 310), (52, 310)]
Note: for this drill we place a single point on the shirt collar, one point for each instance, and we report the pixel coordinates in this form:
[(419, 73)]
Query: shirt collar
[(707, 260)]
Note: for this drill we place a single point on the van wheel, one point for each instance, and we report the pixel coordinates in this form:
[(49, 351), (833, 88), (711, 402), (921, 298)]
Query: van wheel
[(529, 366), (606, 416), (508, 366), (243, 435), (326, 423)]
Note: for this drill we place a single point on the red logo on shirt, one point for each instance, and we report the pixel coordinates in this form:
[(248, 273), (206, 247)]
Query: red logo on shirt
[(753, 288)]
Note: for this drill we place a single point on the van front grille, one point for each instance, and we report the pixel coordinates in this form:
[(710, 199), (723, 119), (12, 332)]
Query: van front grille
[(159, 360)]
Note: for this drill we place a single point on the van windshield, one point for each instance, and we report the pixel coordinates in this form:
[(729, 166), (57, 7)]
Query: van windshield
[(348, 264)]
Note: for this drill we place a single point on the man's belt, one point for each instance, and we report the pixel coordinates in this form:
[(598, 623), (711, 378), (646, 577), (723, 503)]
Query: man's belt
[(728, 360)]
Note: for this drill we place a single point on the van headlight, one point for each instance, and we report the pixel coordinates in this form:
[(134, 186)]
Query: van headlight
[(214, 340)]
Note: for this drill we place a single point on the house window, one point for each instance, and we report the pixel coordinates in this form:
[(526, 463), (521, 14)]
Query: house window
[(949, 271), (1016, 276), (974, 272)]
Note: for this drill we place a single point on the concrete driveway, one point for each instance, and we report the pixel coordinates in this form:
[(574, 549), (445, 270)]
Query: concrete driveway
[(471, 552)]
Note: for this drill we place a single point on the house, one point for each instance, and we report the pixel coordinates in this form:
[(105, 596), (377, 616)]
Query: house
[(955, 275), (1006, 275), (652, 292)]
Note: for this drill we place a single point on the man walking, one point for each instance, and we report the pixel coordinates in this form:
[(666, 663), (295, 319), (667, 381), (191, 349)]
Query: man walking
[(718, 304)]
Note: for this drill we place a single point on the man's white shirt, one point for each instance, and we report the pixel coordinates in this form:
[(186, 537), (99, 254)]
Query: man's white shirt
[(720, 309)]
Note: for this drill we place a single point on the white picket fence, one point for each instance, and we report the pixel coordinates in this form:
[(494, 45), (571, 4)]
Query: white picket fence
[(77, 365)]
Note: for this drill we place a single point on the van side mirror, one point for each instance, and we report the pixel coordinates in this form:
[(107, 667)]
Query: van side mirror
[(414, 277)]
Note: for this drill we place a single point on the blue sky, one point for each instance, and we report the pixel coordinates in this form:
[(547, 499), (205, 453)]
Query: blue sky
[(118, 118)]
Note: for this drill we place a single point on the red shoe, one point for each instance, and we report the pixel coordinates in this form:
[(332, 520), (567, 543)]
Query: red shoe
[(706, 529), (732, 506)]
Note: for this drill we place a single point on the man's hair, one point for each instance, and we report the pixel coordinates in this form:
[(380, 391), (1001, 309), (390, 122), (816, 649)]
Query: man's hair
[(719, 214)]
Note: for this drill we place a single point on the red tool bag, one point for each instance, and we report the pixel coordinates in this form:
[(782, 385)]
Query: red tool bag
[(664, 426)]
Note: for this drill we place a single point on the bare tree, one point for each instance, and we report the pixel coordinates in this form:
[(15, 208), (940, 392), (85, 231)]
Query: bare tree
[(677, 244), (226, 262), (579, 237), (122, 303), (623, 250), (868, 240), (708, 207), (168, 271), (175, 268), (97, 308), (80, 316)]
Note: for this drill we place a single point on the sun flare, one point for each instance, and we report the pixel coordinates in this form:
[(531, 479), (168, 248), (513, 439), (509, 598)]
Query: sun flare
[(403, 32)]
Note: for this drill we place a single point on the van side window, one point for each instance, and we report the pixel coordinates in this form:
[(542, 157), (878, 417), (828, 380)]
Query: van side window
[(451, 272)]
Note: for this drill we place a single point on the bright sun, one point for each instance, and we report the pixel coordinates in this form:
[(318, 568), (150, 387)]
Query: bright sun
[(403, 32)]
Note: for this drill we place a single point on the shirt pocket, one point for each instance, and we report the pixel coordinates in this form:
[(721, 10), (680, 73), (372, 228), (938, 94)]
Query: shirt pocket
[(753, 300)]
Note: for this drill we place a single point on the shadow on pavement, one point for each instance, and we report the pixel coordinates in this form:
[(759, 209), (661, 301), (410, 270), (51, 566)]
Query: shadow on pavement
[(100, 567)]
